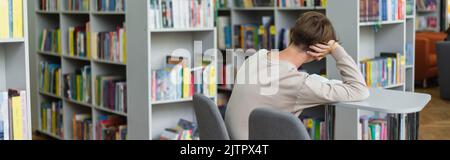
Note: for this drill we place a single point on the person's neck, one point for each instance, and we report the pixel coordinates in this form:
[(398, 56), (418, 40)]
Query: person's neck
[(293, 55)]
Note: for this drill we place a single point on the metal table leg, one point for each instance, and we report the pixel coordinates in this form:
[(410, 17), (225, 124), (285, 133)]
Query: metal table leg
[(329, 121)]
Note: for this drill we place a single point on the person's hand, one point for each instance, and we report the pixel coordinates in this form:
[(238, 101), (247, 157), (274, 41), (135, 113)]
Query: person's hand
[(319, 51)]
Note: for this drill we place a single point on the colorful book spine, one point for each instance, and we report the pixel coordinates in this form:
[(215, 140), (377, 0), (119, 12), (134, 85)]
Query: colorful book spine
[(111, 93), (110, 5), (78, 41), (48, 5), (51, 118), (181, 14), (50, 41), (372, 128), (111, 128), (50, 78), (315, 128), (82, 127), (110, 46), (14, 116), (382, 10), (11, 19), (301, 3), (385, 71), (77, 5), (252, 3), (252, 36), (77, 85)]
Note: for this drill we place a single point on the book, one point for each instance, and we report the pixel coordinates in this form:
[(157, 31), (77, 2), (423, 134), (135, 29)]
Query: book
[(11, 19), (51, 117), (17, 14), (77, 85), (78, 41), (181, 14), (426, 5), (184, 130), (110, 5), (77, 5), (50, 78), (50, 41), (315, 128), (372, 128), (110, 45), (48, 5), (254, 3), (254, 36), (301, 3), (82, 127), (111, 128), (111, 93), (386, 70), (224, 32), (381, 10)]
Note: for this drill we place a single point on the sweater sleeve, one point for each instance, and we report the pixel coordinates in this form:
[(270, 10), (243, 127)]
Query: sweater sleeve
[(353, 87)]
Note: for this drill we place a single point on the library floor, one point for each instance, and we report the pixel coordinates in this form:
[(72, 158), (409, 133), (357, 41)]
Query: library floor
[(434, 120)]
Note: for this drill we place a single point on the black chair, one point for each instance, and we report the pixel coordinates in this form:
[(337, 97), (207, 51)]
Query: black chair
[(270, 124), (211, 125)]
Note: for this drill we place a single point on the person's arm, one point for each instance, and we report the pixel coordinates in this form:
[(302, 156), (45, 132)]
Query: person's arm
[(353, 88)]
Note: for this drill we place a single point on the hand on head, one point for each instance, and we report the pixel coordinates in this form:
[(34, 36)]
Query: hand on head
[(319, 51)]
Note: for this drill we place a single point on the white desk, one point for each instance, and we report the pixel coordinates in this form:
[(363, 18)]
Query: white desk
[(402, 109)]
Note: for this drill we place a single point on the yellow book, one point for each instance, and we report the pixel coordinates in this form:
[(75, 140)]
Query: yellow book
[(78, 88), (17, 18), (4, 19), (44, 119), (94, 46), (389, 66), (71, 41), (88, 40), (57, 91), (17, 118), (186, 81), (369, 73), (53, 129), (212, 81), (124, 41), (58, 32)]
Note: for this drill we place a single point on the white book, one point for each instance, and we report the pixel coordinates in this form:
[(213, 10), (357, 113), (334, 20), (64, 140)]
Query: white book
[(201, 13), (159, 17), (25, 116), (122, 49), (49, 120), (175, 13), (4, 114)]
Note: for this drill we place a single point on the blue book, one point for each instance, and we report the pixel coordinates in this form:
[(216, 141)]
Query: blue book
[(228, 36), (112, 5), (384, 10), (11, 26)]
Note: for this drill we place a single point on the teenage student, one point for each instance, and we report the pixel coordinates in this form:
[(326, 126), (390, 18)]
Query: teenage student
[(312, 38)]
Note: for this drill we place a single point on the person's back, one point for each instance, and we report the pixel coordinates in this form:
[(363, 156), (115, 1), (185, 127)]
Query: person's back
[(272, 80)]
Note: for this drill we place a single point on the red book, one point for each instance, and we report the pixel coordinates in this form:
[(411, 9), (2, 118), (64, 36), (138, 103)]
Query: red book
[(191, 86)]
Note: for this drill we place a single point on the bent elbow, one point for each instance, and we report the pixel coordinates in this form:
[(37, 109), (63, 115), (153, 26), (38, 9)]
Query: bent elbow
[(363, 94)]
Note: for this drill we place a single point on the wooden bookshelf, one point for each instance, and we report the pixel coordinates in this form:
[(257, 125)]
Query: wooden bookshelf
[(100, 22), (362, 41), (15, 66)]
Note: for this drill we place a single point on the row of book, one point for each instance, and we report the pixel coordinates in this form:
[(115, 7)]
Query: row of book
[(427, 5), (316, 128), (11, 19), (410, 7), (185, 130), (49, 78), (301, 3), (382, 10), (224, 4), (79, 41), (110, 5), (428, 23), (77, 85), (254, 36), (51, 118), (224, 33), (181, 14), (111, 93), (77, 5), (384, 71), (178, 81), (82, 127), (14, 116), (49, 5), (111, 128), (372, 129), (110, 45), (253, 3), (50, 41)]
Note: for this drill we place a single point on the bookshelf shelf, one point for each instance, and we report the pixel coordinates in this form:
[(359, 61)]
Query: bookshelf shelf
[(428, 15), (364, 24), (172, 30), (47, 12), (175, 101), (255, 9), (111, 111), (78, 103), (107, 13), (76, 58), (49, 53), (295, 8), (12, 40), (50, 134), (76, 12), (50, 95), (109, 62)]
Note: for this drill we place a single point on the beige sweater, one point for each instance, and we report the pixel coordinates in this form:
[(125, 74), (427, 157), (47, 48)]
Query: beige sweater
[(296, 91)]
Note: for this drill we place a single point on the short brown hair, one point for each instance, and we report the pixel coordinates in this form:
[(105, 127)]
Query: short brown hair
[(310, 29)]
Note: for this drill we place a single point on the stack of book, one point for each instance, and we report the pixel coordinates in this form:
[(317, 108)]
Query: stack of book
[(427, 5), (80, 41), (77, 86), (110, 46), (254, 36), (301, 3), (386, 70), (77, 5), (50, 78), (14, 116), (51, 118), (48, 5), (253, 3), (50, 41), (111, 128), (111, 93), (372, 129), (224, 32), (82, 127), (11, 19), (382, 10), (181, 14), (185, 130), (178, 81), (110, 5), (315, 127)]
